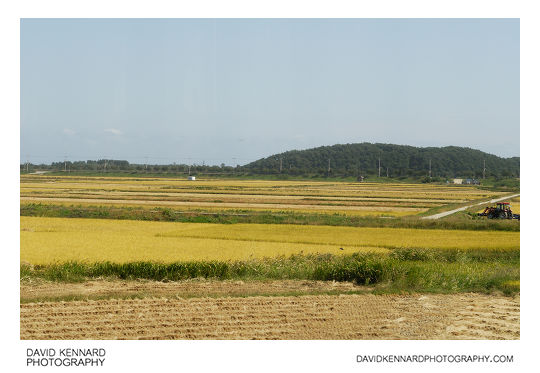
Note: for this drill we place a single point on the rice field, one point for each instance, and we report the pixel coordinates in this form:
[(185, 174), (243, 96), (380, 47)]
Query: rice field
[(375, 210), (389, 199), (329, 233), (56, 240)]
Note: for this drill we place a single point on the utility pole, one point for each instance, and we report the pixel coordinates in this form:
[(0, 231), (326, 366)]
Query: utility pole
[(280, 164), (329, 166), (430, 168), (146, 163), (387, 172), (484, 170), (189, 170), (379, 166)]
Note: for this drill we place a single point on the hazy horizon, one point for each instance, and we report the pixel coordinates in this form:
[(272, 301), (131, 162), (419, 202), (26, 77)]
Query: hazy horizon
[(190, 161), (236, 90)]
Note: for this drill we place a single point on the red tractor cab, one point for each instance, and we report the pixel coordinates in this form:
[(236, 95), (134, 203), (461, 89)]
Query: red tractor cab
[(501, 211)]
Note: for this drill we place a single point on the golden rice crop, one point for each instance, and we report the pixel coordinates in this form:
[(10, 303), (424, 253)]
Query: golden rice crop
[(240, 197), (515, 207), (231, 198), (357, 199), (209, 207), (270, 187), (49, 240), (353, 236)]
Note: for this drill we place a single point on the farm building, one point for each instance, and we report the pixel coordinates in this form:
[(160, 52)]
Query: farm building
[(192, 178), (471, 181)]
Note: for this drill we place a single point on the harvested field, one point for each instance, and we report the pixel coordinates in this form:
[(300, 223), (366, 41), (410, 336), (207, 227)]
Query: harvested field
[(459, 316), (252, 206), (390, 199)]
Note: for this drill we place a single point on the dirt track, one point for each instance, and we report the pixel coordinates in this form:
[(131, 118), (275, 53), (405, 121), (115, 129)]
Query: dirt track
[(446, 213), (31, 292), (459, 316)]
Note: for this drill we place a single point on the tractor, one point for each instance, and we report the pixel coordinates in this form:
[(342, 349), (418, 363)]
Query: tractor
[(501, 211)]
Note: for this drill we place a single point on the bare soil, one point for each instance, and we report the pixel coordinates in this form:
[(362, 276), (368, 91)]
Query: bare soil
[(167, 314), (41, 290)]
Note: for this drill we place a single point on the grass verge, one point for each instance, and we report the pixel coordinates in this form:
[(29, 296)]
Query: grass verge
[(403, 270), (144, 295)]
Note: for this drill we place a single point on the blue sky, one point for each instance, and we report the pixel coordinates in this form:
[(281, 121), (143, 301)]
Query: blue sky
[(235, 90)]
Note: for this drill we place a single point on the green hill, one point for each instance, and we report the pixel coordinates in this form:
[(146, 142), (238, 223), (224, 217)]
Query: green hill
[(397, 160)]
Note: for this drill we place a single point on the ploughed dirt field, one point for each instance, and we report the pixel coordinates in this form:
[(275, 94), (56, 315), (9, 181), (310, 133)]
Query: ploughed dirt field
[(237, 310)]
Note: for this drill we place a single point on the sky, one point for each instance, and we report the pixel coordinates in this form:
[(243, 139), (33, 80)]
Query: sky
[(212, 91)]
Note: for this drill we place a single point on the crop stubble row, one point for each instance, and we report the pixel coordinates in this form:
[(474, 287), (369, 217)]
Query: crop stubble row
[(460, 316)]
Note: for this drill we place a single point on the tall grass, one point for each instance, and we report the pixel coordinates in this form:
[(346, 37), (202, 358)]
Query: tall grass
[(401, 270)]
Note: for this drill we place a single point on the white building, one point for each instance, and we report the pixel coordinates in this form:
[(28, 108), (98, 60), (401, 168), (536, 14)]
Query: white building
[(192, 178), (458, 181)]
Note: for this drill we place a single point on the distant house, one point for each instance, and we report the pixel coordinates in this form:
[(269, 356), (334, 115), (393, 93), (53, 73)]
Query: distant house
[(458, 181), (192, 178), (472, 181)]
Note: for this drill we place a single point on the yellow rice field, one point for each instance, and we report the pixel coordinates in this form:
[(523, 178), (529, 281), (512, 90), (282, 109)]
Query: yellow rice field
[(238, 207), (50, 240), (388, 199), (515, 207)]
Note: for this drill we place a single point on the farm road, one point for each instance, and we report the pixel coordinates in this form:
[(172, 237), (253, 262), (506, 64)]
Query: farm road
[(446, 213)]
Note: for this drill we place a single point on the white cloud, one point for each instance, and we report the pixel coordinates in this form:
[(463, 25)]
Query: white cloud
[(68, 131), (114, 131)]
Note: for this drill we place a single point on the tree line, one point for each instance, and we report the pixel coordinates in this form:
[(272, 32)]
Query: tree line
[(368, 159), (356, 160)]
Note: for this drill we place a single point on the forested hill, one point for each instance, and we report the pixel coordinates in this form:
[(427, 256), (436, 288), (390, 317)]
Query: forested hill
[(397, 160)]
